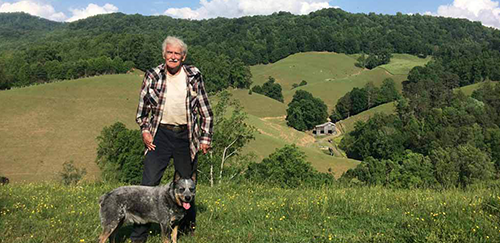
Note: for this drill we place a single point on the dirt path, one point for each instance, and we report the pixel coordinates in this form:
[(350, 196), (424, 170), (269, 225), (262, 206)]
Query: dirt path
[(284, 134)]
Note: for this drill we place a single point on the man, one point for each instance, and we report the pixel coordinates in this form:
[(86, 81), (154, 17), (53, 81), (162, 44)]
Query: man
[(172, 99)]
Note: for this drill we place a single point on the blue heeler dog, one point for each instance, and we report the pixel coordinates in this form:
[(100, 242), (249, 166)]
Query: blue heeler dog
[(165, 205)]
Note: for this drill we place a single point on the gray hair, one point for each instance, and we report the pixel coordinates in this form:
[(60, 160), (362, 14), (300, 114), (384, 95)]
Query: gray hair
[(172, 40)]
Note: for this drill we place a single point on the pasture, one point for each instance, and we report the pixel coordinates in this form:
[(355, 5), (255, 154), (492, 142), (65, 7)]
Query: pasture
[(330, 75), (245, 212), (46, 125)]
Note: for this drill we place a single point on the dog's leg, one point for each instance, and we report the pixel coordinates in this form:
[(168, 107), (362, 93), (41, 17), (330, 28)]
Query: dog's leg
[(104, 236), (174, 234), (112, 237), (166, 232), (109, 231)]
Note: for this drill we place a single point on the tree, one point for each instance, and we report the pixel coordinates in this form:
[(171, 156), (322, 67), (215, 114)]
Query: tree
[(388, 91), (361, 61), (379, 137), (305, 111), (359, 100), (230, 135), (462, 166), (344, 106), (270, 89), (286, 167), (240, 75)]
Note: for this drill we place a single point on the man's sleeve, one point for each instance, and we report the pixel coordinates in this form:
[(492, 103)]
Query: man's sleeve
[(144, 107), (206, 114)]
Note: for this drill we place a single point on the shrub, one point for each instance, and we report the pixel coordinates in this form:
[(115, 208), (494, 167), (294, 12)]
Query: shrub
[(270, 89), (71, 175), (287, 167), (120, 154)]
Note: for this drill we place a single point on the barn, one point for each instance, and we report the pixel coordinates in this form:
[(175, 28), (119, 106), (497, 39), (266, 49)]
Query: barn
[(325, 129)]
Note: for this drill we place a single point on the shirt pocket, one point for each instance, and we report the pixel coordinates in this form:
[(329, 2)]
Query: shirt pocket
[(154, 96)]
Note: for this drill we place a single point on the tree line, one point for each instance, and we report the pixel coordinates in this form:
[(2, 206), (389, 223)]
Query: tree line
[(437, 138), (235, 43), (361, 99)]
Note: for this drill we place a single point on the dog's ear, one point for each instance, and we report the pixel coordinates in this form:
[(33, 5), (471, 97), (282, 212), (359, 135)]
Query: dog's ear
[(177, 176), (193, 176)]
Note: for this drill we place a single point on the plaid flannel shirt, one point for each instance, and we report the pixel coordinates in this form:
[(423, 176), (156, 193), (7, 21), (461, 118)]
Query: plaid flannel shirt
[(152, 102)]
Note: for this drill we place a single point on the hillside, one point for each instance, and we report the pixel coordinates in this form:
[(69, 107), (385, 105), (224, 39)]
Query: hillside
[(50, 124), (60, 121), (330, 75), (17, 29)]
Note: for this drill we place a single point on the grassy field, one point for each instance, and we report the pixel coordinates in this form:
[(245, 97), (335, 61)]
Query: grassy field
[(244, 212), (330, 75), (313, 67), (348, 124), (274, 134), (467, 90), (401, 64), (46, 125)]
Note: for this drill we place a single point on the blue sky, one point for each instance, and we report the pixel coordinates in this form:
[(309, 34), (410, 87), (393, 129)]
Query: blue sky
[(486, 11)]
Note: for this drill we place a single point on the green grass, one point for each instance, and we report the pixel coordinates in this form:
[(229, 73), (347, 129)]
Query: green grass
[(274, 134), (330, 75), (50, 124), (401, 64), (247, 212), (259, 105), (467, 90), (312, 67), (348, 124)]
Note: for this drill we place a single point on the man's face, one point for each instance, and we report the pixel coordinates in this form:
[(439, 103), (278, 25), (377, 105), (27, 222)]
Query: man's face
[(173, 56)]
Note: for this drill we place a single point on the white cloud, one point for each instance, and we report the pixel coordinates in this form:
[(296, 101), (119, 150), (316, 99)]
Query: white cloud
[(486, 11), (91, 10), (185, 13), (38, 8), (238, 8), (33, 8)]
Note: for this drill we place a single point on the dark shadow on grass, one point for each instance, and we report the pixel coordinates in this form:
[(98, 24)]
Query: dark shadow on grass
[(125, 231)]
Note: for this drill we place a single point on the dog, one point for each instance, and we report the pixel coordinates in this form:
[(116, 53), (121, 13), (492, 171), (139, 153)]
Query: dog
[(166, 205)]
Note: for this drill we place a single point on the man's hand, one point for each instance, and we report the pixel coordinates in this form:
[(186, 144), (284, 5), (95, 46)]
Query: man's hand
[(147, 138), (205, 148)]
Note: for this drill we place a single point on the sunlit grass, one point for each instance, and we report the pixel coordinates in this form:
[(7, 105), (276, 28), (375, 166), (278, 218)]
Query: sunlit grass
[(259, 213)]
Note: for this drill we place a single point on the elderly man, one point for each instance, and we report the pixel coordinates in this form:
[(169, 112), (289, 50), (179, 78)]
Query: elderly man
[(172, 99)]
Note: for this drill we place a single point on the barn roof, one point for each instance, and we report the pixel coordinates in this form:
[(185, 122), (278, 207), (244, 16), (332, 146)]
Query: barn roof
[(325, 124)]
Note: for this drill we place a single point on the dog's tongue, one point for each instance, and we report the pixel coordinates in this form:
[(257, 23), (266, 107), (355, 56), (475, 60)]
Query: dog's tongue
[(186, 205)]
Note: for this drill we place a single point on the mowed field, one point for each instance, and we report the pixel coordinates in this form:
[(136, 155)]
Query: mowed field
[(330, 76), (46, 125)]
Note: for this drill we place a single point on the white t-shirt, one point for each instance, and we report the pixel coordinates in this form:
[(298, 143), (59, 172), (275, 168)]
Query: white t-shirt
[(175, 103)]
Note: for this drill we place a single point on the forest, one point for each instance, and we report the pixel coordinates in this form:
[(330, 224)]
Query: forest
[(35, 50)]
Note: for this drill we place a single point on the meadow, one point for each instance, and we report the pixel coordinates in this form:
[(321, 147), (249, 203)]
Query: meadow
[(245, 212)]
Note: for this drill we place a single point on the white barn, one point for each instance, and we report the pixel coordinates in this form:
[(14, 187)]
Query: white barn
[(325, 129)]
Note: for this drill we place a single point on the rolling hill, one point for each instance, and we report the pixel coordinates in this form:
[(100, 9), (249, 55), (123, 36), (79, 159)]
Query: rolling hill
[(54, 123), (50, 124), (329, 75)]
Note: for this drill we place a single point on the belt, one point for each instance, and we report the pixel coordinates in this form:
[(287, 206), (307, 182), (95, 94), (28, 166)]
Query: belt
[(175, 128)]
